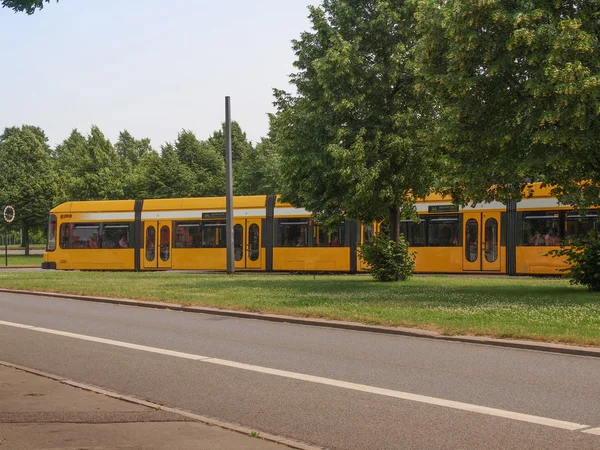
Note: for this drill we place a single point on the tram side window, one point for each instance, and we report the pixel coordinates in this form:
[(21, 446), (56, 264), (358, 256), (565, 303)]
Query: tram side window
[(188, 235), (117, 235), (200, 234), (443, 231), (213, 234), (327, 238), (64, 235), (51, 246), (414, 233), (579, 226), (291, 232), (540, 228), (80, 235)]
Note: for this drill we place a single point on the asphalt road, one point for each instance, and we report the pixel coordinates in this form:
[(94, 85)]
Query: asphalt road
[(329, 388)]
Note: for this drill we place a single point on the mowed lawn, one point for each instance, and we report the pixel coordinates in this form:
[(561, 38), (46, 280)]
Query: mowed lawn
[(20, 260), (18, 247), (547, 309)]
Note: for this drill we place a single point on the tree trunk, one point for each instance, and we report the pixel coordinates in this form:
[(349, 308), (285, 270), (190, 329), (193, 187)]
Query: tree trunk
[(395, 223), (26, 239)]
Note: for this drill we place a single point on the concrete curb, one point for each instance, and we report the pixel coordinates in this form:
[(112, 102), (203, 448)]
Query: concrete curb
[(399, 331), (198, 418)]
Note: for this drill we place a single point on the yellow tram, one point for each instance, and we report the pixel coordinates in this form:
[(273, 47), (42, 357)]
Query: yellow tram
[(189, 234)]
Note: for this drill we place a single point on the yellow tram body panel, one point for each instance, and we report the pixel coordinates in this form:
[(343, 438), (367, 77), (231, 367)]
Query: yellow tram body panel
[(312, 259), (536, 261), (438, 260)]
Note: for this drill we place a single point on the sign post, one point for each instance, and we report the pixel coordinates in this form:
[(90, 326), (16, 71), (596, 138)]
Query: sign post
[(9, 216), (229, 181)]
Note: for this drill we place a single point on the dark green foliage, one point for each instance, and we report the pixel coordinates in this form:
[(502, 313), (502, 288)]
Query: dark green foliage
[(131, 150), (27, 181), (517, 94), (132, 155), (389, 260), (165, 176), (239, 142), (89, 167), (255, 169), (583, 257), (204, 161), (259, 171), (352, 140), (28, 6)]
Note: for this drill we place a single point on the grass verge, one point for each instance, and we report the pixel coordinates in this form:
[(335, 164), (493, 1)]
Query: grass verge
[(19, 247), (525, 308), (21, 260)]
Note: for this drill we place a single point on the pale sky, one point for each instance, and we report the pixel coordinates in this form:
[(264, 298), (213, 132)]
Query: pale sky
[(153, 67)]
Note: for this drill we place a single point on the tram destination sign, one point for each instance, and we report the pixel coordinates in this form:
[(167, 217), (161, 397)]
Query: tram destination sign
[(213, 215), (443, 208)]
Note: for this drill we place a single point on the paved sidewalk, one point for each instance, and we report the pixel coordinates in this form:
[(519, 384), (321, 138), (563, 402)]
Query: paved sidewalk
[(41, 413)]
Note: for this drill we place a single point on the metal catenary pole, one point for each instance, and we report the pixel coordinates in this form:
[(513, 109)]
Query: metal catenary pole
[(229, 181)]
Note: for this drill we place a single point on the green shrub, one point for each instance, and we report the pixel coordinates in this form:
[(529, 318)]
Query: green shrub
[(389, 261), (583, 257)]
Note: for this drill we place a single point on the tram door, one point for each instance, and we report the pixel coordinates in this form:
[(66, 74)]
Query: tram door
[(157, 245), (481, 241), (246, 243)]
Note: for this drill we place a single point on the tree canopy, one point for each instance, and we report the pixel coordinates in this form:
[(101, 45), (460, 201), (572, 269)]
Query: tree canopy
[(165, 176), (27, 6), (259, 172), (204, 161), (352, 139), (518, 92), (27, 180), (89, 167)]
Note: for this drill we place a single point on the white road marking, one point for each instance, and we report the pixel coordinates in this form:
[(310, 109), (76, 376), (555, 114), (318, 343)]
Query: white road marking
[(325, 381)]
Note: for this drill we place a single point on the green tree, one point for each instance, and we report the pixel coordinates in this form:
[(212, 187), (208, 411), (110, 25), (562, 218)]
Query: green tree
[(239, 142), (130, 152), (166, 176), (68, 164), (27, 179), (241, 148), (204, 161), (352, 138), (28, 6), (517, 86), (259, 170), (130, 149), (89, 167), (37, 131)]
